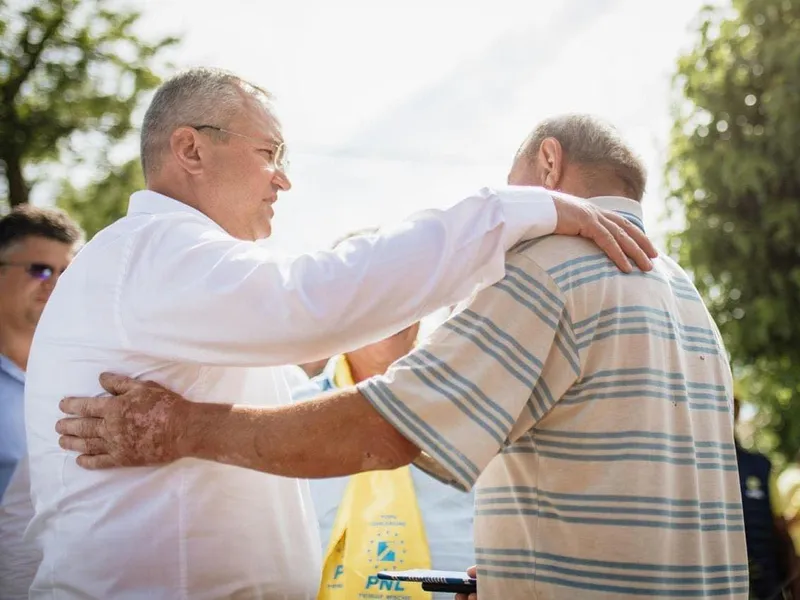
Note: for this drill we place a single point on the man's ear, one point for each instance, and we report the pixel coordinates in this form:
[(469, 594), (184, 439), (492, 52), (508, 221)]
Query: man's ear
[(551, 163), (184, 144)]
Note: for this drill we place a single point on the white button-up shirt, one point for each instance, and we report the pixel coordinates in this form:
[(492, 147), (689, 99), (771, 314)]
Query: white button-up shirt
[(165, 294)]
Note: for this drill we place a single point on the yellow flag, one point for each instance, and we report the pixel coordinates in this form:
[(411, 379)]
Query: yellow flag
[(378, 528)]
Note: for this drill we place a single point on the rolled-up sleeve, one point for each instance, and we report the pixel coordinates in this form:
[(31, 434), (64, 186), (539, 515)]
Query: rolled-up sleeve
[(195, 294), (459, 396)]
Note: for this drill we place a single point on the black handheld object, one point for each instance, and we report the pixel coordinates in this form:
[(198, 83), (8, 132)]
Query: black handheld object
[(451, 588), (452, 582)]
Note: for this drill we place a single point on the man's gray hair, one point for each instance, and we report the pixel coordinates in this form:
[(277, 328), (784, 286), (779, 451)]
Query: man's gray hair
[(593, 143), (199, 96)]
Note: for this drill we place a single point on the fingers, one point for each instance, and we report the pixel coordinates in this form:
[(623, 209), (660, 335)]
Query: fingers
[(640, 237), (118, 384), (82, 428), (84, 406), (631, 249), (601, 234), (100, 461), (93, 446), (636, 234), (472, 572)]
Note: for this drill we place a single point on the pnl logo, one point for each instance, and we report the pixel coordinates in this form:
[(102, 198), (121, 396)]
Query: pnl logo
[(386, 550)]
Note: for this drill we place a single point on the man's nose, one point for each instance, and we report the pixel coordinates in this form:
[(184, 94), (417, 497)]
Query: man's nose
[(282, 180)]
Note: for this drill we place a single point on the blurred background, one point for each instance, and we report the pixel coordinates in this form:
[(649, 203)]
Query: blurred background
[(390, 107)]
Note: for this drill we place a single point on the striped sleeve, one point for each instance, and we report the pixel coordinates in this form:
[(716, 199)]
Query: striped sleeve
[(459, 395)]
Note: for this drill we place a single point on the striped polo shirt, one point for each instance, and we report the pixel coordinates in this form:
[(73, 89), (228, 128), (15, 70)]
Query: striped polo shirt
[(593, 409)]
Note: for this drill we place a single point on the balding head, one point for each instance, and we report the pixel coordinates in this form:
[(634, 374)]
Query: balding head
[(195, 97), (579, 154)]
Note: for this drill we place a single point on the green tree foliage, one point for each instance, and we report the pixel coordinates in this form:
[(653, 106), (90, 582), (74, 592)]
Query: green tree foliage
[(734, 171), (66, 67), (103, 201)]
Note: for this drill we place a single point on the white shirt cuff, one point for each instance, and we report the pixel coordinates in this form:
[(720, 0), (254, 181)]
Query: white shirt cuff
[(530, 212)]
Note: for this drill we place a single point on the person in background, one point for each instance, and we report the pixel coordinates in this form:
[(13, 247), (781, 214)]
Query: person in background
[(36, 245), (774, 567), (446, 511)]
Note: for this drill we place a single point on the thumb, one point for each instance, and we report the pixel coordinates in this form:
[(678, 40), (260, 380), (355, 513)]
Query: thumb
[(117, 384), (472, 571)]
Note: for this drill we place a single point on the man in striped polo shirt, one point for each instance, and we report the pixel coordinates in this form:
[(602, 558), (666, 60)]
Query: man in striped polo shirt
[(594, 406)]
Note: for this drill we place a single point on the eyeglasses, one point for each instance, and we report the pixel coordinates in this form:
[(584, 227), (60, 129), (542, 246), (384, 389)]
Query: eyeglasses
[(40, 271), (278, 158)]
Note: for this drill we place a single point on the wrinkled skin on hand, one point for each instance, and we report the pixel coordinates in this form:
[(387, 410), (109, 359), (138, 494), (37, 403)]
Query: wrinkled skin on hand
[(139, 424)]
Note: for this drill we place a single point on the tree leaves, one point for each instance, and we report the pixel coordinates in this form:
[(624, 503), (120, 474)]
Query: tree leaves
[(734, 172), (67, 67), (102, 201)]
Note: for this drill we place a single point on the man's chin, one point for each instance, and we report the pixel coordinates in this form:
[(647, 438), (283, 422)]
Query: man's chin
[(263, 233), (35, 314)]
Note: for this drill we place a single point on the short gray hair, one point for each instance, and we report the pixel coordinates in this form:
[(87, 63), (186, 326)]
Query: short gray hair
[(592, 142), (200, 96)]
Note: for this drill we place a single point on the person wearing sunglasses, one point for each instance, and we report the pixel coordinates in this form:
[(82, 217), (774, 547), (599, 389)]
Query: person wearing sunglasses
[(36, 245), (178, 291)]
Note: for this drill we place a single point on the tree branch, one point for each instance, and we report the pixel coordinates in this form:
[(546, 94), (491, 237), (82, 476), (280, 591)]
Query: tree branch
[(14, 84)]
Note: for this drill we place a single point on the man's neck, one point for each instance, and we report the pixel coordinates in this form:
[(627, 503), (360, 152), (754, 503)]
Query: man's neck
[(599, 187), (15, 344)]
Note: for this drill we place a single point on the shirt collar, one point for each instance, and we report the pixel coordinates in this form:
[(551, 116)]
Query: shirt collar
[(11, 369), (630, 209), (148, 202)]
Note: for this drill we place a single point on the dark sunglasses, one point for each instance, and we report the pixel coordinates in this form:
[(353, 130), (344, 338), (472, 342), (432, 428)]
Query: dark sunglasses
[(40, 271)]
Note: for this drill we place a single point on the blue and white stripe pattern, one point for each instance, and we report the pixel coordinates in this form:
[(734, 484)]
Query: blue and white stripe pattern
[(595, 407), (612, 578)]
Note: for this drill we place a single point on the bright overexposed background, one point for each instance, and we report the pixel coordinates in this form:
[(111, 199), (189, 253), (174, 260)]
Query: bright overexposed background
[(390, 107)]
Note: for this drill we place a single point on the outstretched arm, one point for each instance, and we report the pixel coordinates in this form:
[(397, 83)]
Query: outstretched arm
[(148, 424), (233, 303)]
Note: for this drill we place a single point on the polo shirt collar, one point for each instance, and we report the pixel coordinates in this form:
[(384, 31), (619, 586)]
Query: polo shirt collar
[(11, 369), (630, 209)]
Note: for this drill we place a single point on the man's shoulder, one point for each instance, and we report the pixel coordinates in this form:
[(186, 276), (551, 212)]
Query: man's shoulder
[(150, 227), (544, 263), (554, 253), (143, 241), (574, 263)]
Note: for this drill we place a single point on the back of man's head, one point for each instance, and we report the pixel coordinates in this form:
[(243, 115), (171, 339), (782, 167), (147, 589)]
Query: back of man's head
[(30, 221), (587, 148), (199, 96)]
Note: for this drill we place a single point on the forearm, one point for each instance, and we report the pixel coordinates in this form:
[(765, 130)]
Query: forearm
[(331, 436), (374, 286)]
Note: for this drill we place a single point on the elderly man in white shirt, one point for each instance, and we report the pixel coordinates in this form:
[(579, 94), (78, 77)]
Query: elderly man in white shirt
[(178, 292)]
